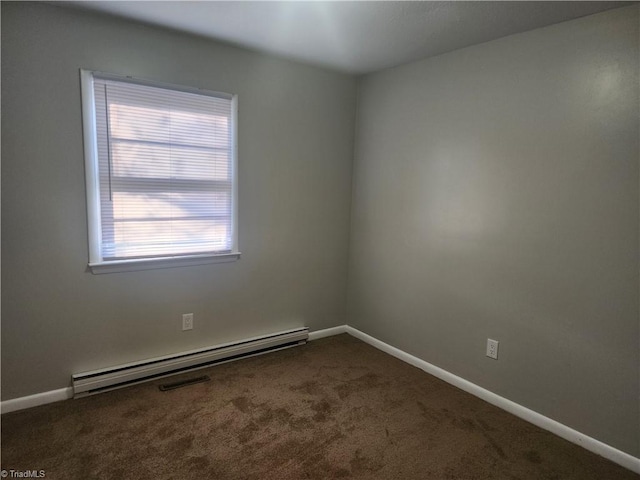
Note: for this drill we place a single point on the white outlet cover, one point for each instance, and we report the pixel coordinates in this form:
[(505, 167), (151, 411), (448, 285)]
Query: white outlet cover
[(187, 321), (492, 348)]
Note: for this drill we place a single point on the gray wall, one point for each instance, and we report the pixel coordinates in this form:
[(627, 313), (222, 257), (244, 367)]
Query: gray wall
[(496, 195), (295, 156)]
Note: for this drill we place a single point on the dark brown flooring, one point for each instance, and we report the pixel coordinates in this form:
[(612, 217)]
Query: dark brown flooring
[(335, 408)]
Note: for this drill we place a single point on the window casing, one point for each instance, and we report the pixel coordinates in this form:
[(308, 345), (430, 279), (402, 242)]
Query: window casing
[(161, 176)]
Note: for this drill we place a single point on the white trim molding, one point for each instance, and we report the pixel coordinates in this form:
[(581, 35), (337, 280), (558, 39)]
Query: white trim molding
[(327, 332), (596, 446), (117, 266), (36, 400)]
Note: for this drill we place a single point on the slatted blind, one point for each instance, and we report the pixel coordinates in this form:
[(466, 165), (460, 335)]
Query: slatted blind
[(165, 167)]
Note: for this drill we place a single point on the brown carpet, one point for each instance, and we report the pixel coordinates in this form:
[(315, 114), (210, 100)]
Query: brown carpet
[(335, 408)]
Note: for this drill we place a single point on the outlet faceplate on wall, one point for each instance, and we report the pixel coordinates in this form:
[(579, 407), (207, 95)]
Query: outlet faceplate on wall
[(187, 321), (492, 348)]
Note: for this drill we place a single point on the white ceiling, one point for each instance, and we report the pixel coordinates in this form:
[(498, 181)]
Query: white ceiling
[(350, 36)]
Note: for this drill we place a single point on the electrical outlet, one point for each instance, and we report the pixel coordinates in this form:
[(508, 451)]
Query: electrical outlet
[(492, 348), (187, 321)]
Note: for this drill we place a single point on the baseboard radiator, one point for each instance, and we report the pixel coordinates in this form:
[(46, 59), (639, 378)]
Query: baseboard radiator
[(97, 381)]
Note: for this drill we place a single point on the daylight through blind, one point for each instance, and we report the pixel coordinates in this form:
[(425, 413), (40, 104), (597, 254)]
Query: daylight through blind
[(165, 171)]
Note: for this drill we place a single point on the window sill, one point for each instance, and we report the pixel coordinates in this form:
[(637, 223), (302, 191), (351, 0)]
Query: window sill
[(118, 266)]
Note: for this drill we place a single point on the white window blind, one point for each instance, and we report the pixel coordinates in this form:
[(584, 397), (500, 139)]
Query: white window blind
[(164, 171)]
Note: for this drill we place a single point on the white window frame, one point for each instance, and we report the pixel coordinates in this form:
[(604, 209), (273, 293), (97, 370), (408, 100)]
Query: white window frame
[(97, 264)]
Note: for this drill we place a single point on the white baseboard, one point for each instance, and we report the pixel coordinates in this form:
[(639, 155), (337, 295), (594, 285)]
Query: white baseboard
[(621, 458), (327, 332), (617, 456), (34, 400)]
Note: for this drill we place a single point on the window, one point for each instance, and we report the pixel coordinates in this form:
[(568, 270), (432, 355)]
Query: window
[(161, 174)]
